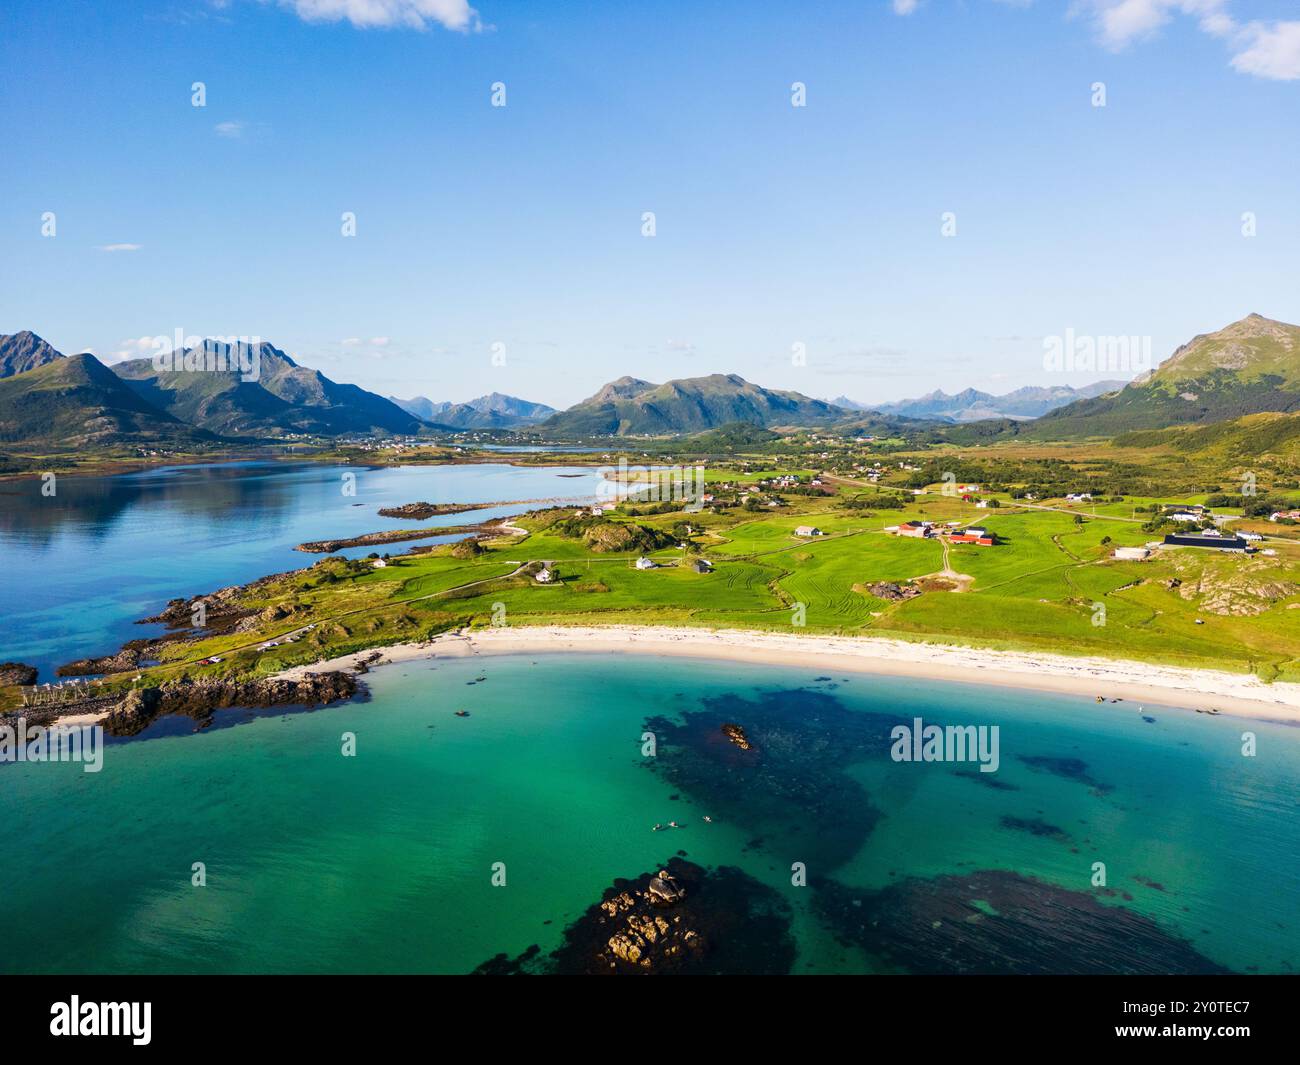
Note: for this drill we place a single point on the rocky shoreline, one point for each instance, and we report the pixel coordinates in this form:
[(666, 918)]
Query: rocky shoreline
[(200, 699)]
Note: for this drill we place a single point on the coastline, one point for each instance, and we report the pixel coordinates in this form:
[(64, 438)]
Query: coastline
[(1239, 695)]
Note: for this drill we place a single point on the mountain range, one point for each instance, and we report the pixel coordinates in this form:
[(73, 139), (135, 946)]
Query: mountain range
[(972, 405), (49, 400), (493, 411)]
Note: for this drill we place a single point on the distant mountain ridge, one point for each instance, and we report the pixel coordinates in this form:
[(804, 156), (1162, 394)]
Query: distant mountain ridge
[(493, 411), (969, 405), (630, 406)]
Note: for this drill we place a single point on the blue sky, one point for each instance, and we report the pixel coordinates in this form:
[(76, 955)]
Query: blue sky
[(775, 225)]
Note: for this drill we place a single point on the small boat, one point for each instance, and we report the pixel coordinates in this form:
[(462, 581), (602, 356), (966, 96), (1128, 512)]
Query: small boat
[(708, 819), (657, 828), (462, 713)]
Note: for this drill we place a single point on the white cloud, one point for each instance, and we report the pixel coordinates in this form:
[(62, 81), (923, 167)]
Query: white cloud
[(1263, 49), (379, 342), (368, 14), (905, 7), (233, 130), (350, 342), (1270, 50), (684, 346), (131, 348), (120, 247)]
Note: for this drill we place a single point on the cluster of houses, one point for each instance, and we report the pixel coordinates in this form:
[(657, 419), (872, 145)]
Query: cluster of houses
[(952, 531), (1285, 515)]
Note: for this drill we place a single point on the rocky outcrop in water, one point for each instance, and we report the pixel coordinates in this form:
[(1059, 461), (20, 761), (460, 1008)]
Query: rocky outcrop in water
[(200, 698), (680, 919), (422, 511), (736, 735)]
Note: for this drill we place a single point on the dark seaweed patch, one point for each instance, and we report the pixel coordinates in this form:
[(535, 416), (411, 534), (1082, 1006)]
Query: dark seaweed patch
[(989, 780), (1035, 827), (1075, 769), (1000, 922), (791, 785)]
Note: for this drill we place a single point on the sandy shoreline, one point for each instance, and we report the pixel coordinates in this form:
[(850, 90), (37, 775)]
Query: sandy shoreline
[(1238, 694)]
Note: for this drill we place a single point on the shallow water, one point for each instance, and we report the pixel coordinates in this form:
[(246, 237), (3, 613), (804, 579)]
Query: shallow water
[(383, 862)]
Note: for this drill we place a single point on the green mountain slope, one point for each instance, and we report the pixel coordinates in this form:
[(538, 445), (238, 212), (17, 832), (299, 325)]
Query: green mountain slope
[(1248, 367), (78, 401), (629, 406), (1249, 438), (286, 398)]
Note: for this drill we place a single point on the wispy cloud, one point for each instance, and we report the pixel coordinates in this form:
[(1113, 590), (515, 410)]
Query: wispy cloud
[(131, 348), (386, 14), (233, 130), (120, 247), (1265, 49)]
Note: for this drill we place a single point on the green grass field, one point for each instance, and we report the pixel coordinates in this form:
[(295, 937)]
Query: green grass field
[(1048, 585)]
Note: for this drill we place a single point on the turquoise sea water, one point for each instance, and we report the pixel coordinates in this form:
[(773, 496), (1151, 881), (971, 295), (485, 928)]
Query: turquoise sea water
[(383, 862), (79, 568)]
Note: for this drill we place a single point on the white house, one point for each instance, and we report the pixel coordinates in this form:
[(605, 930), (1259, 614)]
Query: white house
[(644, 563), (1250, 536), (807, 530), (1079, 497), (378, 563), (1184, 515), (545, 575)]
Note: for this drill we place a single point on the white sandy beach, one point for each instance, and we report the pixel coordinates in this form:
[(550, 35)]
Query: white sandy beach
[(1239, 694)]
